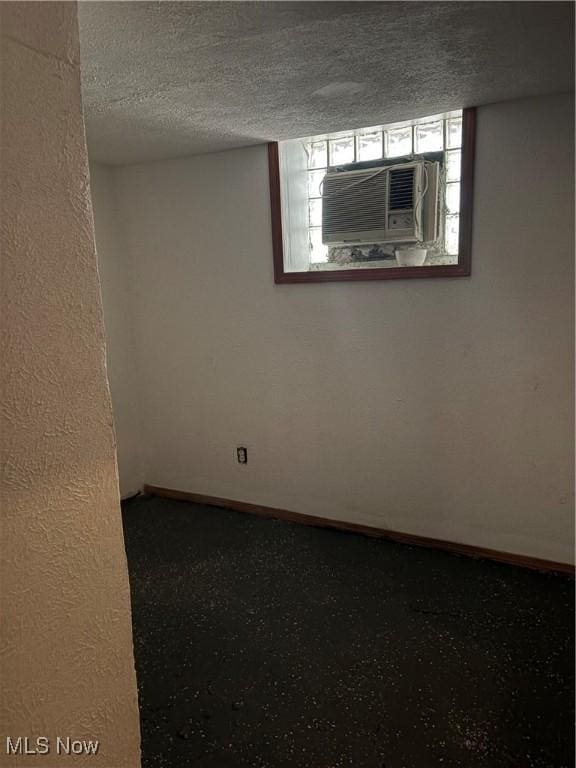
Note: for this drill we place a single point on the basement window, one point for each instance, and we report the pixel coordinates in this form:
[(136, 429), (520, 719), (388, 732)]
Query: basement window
[(377, 203)]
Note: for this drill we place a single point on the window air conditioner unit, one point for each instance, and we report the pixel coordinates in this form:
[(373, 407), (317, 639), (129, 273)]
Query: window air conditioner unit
[(387, 204)]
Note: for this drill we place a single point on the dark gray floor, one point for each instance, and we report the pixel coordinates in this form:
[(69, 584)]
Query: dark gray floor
[(272, 645)]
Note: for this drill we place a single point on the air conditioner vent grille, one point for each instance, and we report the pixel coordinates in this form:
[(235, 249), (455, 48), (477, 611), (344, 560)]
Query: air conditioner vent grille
[(354, 201), (401, 189)]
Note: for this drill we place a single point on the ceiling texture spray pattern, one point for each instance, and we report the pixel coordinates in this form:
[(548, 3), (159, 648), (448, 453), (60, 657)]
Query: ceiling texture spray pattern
[(169, 79)]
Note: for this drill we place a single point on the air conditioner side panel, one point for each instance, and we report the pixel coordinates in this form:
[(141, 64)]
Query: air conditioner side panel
[(431, 204)]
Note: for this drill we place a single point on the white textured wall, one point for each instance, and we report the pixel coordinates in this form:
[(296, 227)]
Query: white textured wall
[(116, 279), (66, 661), (436, 407)]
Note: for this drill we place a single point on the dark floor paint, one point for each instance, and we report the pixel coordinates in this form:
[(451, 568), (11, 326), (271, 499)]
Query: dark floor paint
[(273, 645)]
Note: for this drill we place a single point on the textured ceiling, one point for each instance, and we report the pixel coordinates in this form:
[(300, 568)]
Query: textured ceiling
[(167, 79)]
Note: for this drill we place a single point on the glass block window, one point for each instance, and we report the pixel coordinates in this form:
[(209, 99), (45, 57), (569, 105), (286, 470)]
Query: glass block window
[(439, 133), (429, 137), (453, 132), (398, 141), (318, 251), (315, 179), (453, 163), (318, 154), (341, 151), (369, 145)]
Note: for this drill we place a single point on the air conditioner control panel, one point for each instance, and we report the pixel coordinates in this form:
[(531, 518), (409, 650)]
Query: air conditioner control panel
[(400, 220)]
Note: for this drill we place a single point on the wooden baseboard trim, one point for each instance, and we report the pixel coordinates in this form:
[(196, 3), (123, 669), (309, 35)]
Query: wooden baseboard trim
[(523, 561)]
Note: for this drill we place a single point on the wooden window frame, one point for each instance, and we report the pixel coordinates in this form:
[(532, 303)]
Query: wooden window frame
[(461, 269)]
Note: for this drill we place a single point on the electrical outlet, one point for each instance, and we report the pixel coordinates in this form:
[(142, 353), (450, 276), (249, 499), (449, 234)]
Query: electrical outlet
[(242, 454)]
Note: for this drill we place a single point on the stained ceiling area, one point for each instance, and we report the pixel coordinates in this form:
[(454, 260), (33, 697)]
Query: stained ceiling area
[(170, 79)]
